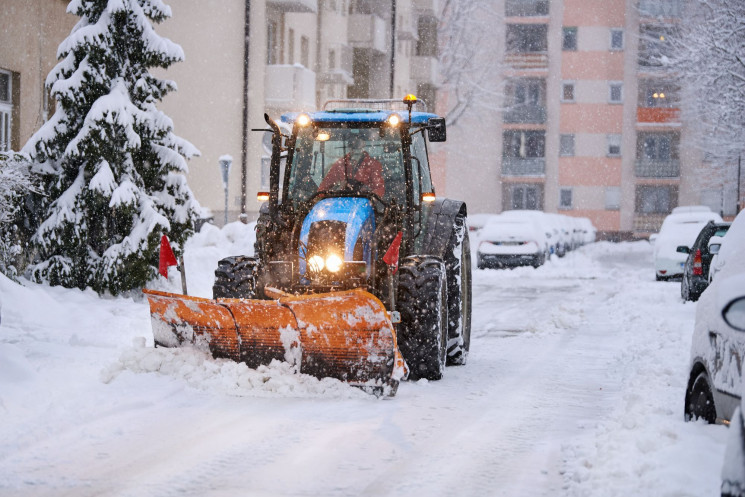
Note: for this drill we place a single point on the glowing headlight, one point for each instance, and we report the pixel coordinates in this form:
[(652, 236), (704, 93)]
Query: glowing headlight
[(333, 263), (315, 263), (394, 120), (303, 119)]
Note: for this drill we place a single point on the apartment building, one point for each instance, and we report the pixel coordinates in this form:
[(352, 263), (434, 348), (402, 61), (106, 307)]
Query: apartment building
[(590, 123), (243, 59)]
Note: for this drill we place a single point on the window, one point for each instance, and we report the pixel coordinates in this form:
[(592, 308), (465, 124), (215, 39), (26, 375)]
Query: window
[(524, 144), (654, 44), (332, 60), (523, 197), (614, 145), (565, 198), (271, 43), (426, 45), (566, 145), (304, 51), (612, 198), (615, 92), (569, 39), (6, 110), (525, 100), (291, 46), (526, 8), (658, 93), (656, 199), (616, 39), (567, 92), (657, 146), (527, 38)]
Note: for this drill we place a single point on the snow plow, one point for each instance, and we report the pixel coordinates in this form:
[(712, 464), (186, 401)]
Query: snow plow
[(359, 271)]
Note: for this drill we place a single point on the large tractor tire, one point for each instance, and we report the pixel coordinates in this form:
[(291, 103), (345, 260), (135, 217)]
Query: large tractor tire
[(422, 302), (237, 277), (458, 275)]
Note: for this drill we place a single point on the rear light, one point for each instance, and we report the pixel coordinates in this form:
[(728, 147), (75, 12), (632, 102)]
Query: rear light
[(698, 268), (262, 196)]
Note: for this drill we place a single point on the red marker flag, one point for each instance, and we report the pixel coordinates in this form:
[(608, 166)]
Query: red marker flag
[(391, 255), (167, 257)]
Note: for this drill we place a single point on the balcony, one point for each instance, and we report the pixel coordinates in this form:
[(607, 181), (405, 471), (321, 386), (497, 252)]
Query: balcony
[(344, 72), (660, 8), (517, 166), (427, 7), (424, 69), (525, 114), (657, 115), (646, 168), (295, 6), (368, 31), (526, 8), (533, 60), (289, 87), (648, 223)]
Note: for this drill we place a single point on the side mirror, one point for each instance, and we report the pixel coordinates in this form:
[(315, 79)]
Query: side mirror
[(734, 314), (436, 131), (652, 238), (683, 249)]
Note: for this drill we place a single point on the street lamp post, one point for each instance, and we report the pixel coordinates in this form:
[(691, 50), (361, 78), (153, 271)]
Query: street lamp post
[(225, 161)]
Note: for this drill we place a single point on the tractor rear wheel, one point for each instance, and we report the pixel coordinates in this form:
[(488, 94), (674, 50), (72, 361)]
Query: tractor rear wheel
[(422, 302), (458, 273), (237, 277)]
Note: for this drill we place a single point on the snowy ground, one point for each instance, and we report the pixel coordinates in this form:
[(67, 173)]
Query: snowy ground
[(574, 387)]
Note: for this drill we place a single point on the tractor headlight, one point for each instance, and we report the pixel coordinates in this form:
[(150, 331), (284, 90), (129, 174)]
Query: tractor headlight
[(333, 263), (315, 263)]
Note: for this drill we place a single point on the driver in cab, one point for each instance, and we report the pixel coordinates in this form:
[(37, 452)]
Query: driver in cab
[(356, 169)]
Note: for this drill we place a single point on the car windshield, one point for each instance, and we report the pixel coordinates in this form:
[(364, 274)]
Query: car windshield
[(337, 157)]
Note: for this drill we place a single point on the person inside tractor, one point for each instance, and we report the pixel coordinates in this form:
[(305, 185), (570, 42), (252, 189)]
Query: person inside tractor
[(357, 169)]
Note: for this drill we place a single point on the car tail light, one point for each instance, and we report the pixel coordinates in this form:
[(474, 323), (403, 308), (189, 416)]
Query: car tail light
[(698, 268)]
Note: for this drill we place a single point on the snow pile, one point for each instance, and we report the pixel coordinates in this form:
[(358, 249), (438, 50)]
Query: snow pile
[(221, 376)]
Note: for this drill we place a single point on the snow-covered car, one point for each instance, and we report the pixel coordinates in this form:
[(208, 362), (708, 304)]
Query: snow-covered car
[(510, 242), (728, 258), (551, 232), (733, 470), (718, 347), (696, 270), (589, 232), (678, 228)]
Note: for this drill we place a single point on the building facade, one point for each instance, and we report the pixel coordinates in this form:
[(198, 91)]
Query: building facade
[(591, 124)]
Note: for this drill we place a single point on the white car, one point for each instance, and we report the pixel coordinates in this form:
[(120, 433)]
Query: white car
[(679, 228), (718, 347), (510, 242)]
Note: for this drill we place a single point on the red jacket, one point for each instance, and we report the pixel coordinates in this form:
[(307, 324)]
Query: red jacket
[(367, 171)]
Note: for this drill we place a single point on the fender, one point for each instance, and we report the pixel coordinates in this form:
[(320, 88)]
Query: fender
[(438, 221)]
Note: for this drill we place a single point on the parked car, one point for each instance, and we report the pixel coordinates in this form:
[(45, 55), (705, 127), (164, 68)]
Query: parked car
[(679, 228), (510, 242), (725, 261), (718, 347), (733, 470), (696, 270)]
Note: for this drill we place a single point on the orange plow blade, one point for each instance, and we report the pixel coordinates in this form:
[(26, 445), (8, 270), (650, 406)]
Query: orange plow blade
[(344, 335)]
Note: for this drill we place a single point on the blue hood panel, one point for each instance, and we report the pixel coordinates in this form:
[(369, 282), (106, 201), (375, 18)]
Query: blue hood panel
[(357, 213)]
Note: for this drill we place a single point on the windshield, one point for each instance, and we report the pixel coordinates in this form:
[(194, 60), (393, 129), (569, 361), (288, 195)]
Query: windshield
[(338, 158)]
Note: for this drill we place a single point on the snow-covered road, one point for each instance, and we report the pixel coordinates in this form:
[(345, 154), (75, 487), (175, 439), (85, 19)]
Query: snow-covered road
[(574, 387)]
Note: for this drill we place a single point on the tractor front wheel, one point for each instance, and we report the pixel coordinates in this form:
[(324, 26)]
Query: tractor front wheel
[(237, 277), (422, 302)]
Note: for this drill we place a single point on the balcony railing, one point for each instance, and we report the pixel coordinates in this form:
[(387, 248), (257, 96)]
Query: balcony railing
[(297, 6), (660, 8), (526, 8), (368, 31), (290, 87), (646, 168), (424, 69), (343, 73), (658, 115), (517, 166), (648, 223), (525, 114), (533, 60)]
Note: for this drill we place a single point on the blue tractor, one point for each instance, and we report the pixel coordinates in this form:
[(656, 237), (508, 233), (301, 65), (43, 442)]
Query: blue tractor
[(336, 219)]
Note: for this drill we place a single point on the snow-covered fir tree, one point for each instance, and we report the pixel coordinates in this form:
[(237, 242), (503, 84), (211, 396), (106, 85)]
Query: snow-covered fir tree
[(111, 166)]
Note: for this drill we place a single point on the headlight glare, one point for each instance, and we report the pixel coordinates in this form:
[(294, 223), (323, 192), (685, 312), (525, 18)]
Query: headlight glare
[(315, 263), (333, 263)]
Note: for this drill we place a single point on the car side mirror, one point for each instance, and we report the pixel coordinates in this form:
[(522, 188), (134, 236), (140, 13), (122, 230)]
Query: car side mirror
[(683, 249), (652, 238), (734, 314), (436, 131), (715, 243)]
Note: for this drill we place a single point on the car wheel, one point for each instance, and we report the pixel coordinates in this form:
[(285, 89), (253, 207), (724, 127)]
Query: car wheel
[(685, 289), (700, 401)]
